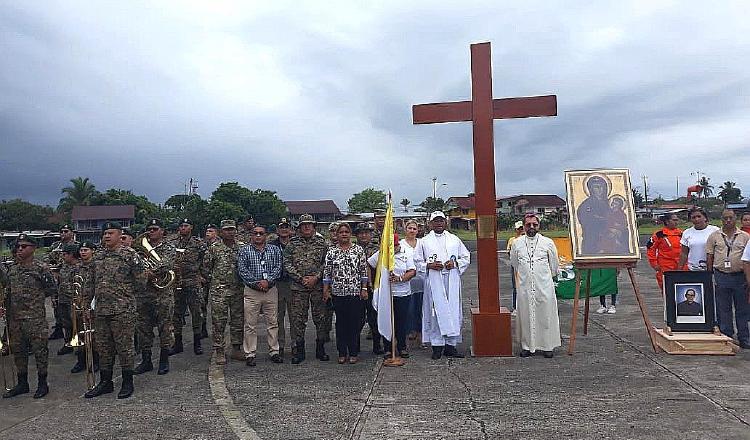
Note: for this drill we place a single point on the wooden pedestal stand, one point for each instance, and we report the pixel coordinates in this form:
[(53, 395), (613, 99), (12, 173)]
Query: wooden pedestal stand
[(613, 264), (695, 343)]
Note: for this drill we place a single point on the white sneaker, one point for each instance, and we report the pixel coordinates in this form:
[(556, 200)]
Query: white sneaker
[(601, 310), (612, 310)]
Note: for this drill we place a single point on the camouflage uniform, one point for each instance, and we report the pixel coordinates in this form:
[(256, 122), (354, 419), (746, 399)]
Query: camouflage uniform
[(303, 257), (54, 260), (227, 303), (117, 276), (371, 315), (188, 259), (65, 297), (156, 306), (206, 286), (25, 292), (283, 285), (243, 234)]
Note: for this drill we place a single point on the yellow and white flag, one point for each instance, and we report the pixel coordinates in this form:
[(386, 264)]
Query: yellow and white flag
[(381, 299)]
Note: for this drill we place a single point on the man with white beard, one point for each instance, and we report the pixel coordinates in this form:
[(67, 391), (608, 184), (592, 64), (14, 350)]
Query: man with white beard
[(446, 258), (534, 258)]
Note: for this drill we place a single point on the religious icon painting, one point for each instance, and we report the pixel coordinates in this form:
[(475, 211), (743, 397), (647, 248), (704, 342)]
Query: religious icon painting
[(602, 215), (689, 301)]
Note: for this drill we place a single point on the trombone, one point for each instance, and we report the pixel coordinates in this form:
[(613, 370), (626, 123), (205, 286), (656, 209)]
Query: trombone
[(8, 372), (85, 337)]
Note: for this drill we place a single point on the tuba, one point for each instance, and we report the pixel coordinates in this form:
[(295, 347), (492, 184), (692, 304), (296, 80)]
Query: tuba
[(152, 260), (7, 365)]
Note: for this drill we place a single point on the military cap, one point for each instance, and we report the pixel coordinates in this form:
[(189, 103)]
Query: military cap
[(379, 213), (89, 244), (306, 218), (186, 221), (70, 249), (211, 226), (364, 226), (155, 222), (247, 218), (228, 224), (126, 231), (65, 226), (332, 227), (27, 238), (111, 225), (284, 223)]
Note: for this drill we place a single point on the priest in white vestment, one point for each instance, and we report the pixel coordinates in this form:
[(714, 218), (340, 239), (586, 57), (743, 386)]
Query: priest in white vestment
[(534, 258), (443, 258)]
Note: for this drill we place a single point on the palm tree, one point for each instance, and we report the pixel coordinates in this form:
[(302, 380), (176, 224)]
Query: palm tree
[(729, 192), (405, 204), (81, 192), (708, 189)]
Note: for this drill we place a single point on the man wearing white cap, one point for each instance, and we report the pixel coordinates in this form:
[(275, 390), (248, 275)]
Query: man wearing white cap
[(446, 258)]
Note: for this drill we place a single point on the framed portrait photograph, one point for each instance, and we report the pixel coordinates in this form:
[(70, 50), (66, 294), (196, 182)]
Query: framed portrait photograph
[(689, 301), (602, 215)]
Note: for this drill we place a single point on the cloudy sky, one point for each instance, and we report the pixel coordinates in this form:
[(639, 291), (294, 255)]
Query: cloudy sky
[(313, 99)]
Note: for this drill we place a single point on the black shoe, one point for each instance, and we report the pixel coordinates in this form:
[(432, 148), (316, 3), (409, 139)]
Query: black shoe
[(376, 347), (451, 352), (80, 362), (22, 386), (549, 354), (298, 353), (524, 353), (146, 363), (177, 347), (437, 352), (57, 333), (320, 350), (42, 388), (403, 353), (64, 350), (163, 361), (744, 345), (250, 362), (197, 349), (127, 385), (105, 385), (277, 359)]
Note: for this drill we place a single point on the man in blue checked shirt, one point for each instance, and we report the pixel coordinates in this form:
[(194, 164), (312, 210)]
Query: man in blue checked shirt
[(259, 266)]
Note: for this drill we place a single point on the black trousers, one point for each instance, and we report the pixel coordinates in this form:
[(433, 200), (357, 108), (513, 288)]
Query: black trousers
[(370, 315), (348, 317), (400, 321)]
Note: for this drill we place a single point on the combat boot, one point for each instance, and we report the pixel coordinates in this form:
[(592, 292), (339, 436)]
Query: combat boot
[(42, 388), (127, 385), (177, 347), (65, 349), (163, 361), (146, 363), (105, 385), (298, 352), (320, 350), (57, 333), (197, 349), (237, 353), (22, 386), (80, 362)]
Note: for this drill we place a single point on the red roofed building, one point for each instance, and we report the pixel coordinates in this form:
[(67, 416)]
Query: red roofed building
[(324, 211), (542, 204), (88, 220)]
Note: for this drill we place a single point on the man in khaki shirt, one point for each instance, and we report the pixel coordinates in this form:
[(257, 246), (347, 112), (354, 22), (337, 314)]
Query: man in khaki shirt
[(724, 251)]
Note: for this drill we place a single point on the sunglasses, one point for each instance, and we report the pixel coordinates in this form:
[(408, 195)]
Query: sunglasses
[(258, 234)]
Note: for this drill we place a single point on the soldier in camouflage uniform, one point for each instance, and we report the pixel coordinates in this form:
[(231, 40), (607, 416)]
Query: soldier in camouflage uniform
[(331, 240), (365, 240), (68, 269), (244, 233), (54, 260), (304, 257), (156, 306), (211, 237), (118, 274), (188, 291), (227, 303), (284, 234), (86, 272), (28, 283), (379, 225)]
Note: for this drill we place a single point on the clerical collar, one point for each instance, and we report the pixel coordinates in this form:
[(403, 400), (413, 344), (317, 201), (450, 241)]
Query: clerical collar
[(440, 234)]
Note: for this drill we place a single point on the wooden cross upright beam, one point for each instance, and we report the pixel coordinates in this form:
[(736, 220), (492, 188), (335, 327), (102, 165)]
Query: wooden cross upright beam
[(491, 331)]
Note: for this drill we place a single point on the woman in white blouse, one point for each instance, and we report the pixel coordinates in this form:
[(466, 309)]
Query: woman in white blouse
[(409, 244)]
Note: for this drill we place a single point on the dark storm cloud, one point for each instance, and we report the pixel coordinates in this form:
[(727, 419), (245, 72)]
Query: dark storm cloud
[(315, 102)]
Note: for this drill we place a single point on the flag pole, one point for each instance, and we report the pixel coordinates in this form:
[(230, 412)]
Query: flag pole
[(394, 360)]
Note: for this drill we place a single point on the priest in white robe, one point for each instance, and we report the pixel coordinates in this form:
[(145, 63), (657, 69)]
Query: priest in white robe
[(534, 258), (443, 258)]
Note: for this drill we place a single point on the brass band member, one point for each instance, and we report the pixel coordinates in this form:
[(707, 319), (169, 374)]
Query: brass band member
[(86, 271), (28, 282), (118, 274), (68, 269), (54, 258), (188, 291)]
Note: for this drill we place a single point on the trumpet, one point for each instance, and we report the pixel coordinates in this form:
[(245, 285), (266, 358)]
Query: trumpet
[(85, 337), (8, 372), (152, 261)]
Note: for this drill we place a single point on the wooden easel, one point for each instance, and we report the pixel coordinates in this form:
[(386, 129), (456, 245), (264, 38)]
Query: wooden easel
[(611, 264)]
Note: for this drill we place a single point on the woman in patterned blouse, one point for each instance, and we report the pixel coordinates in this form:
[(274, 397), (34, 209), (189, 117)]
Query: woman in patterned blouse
[(345, 278)]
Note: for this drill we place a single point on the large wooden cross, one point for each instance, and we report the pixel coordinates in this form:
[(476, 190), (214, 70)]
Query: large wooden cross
[(491, 325)]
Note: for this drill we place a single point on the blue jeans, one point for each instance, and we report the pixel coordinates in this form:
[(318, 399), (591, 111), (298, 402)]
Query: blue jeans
[(603, 300), (731, 291)]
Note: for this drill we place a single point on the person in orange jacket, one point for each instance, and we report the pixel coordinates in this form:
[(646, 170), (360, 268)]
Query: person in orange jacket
[(664, 248)]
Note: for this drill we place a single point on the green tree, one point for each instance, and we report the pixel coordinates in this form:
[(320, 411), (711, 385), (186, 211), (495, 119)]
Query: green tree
[(431, 204), (405, 204), (144, 208), (178, 202), (264, 205), (218, 210), (80, 192), (730, 193), (367, 200), (19, 215), (708, 189), (637, 198)]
